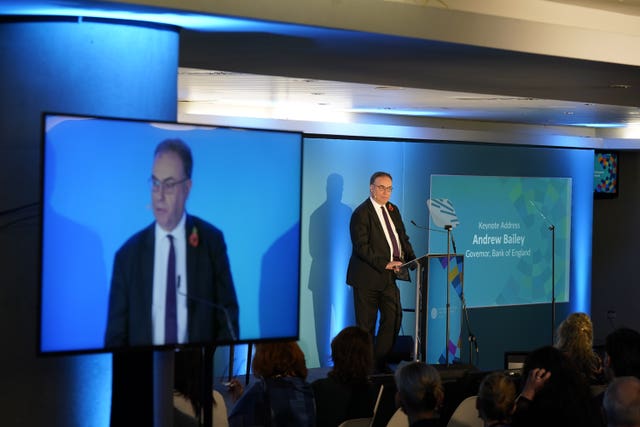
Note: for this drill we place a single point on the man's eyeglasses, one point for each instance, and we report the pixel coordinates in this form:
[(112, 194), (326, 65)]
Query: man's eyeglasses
[(384, 189), (168, 185)]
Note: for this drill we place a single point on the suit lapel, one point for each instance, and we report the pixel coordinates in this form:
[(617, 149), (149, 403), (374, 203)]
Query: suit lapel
[(375, 219), (192, 261), (146, 270)]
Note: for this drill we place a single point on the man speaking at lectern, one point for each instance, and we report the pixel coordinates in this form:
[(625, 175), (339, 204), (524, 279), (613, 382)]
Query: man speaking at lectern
[(379, 245), (171, 282)]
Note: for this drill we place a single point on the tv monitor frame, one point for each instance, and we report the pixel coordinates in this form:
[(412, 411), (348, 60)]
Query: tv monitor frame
[(86, 189), (609, 194)]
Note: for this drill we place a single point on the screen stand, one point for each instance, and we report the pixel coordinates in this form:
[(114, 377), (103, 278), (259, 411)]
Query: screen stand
[(448, 304), (163, 384), (553, 280), (206, 417)]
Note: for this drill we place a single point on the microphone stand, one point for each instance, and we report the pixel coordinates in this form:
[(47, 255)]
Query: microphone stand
[(552, 228), (211, 304), (448, 306), (553, 280), (472, 338)]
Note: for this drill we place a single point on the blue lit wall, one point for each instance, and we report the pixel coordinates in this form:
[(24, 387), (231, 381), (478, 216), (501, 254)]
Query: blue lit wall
[(108, 69), (336, 180)]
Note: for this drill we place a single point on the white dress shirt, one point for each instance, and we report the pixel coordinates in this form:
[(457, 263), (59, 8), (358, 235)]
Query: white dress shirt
[(160, 281), (377, 206)]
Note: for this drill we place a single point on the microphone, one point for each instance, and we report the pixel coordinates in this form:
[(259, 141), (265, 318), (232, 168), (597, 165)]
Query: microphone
[(449, 227), (426, 228), (211, 304), (419, 226), (550, 224), (453, 243)]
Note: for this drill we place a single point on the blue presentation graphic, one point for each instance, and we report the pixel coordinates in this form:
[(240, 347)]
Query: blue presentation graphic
[(96, 195), (507, 228)]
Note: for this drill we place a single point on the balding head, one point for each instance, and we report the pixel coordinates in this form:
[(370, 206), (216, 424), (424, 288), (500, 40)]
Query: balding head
[(622, 402)]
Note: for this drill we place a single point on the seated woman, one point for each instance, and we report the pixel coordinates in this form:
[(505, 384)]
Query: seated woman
[(282, 396), (347, 392), (496, 400), (187, 401), (420, 393), (574, 338)]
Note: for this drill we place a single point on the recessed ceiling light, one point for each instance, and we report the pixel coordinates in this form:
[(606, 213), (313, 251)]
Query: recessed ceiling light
[(619, 86)]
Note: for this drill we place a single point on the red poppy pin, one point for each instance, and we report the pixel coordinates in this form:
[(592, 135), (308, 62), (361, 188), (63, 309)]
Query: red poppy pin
[(390, 207), (193, 237)]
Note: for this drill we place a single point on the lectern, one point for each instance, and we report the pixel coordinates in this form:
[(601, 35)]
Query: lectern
[(438, 321)]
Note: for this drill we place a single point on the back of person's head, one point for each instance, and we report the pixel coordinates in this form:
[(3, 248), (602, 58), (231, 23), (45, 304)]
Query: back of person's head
[(352, 355), (622, 402), (575, 333), (419, 387), (565, 396), (575, 338), (622, 347), (496, 397), (281, 358), (188, 378)]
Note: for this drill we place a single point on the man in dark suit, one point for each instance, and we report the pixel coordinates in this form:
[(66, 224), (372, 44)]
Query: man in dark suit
[(171, 281), (380, 245)]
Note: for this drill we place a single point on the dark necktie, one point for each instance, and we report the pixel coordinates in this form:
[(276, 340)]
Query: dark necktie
[(171, 319), (392, 236)]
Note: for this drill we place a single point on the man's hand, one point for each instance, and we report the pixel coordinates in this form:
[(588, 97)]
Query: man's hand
[(235, 389), (535, 381), (393, 265)]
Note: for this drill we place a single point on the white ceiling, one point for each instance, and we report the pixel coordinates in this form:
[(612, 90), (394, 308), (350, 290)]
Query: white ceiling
[(564, 68), (355, 77), (209, 92)]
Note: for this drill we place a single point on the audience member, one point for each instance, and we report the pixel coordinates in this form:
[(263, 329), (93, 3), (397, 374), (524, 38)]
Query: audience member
[(420, 393), (574, 338), (496, 400), (622, 402), (622, 353), (621, 358), (188, 389), (347, 392), (282, 396), (554, 394)]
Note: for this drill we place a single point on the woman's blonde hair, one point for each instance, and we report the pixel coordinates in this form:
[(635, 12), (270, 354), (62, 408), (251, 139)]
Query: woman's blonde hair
[(574, 337)]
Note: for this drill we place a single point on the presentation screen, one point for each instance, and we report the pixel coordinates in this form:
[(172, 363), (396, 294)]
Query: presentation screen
[(512, 231), (98, 200)]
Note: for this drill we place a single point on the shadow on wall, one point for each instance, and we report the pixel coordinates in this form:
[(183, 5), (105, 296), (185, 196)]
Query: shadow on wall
[(278, 306), (74, 290), (330, 247)]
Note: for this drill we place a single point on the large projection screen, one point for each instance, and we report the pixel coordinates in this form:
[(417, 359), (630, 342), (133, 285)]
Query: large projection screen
[(508, 228), (96, 194)]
